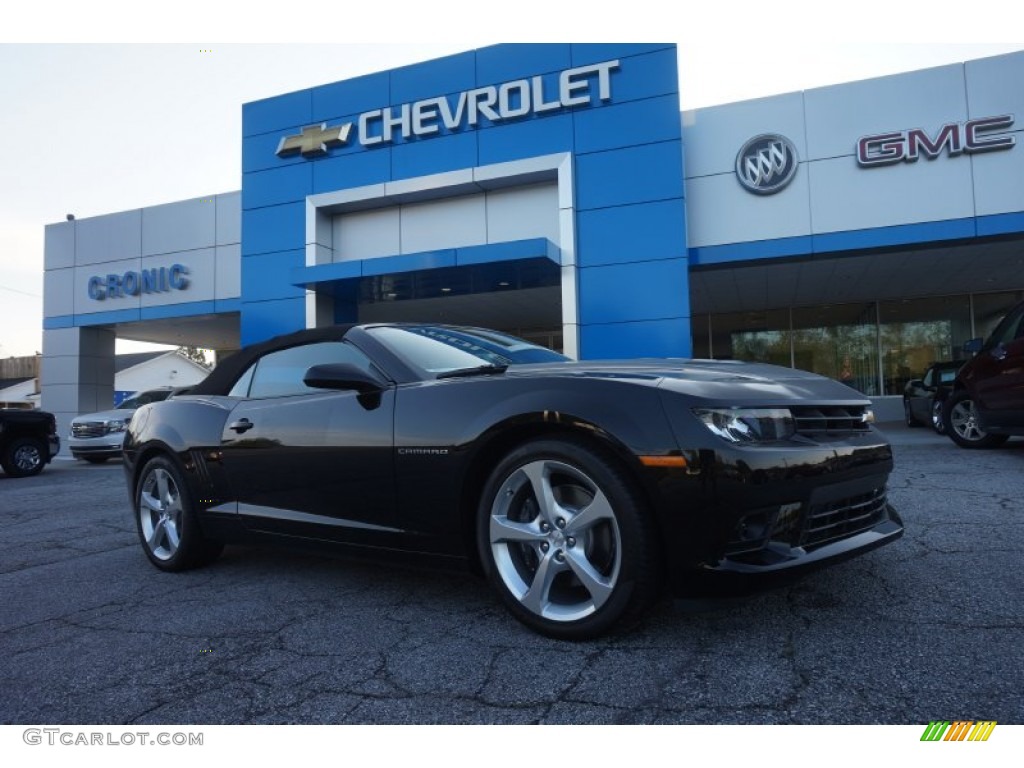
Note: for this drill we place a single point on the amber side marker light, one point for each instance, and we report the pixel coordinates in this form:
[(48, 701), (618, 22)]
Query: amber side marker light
[(663, 461)]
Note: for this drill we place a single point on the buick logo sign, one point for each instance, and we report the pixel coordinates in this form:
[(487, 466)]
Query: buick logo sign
[(766, 164)]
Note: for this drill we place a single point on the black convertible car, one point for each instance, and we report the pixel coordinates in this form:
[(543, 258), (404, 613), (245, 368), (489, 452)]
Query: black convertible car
[(580, 489)]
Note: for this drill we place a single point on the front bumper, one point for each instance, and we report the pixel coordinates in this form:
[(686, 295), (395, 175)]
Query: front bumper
[(108, 445), (54, 446), (743, 518)]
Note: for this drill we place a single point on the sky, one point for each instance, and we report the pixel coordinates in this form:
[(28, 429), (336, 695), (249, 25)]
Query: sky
[(103, 109)]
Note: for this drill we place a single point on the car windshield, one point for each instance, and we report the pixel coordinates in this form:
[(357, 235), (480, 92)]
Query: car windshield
[(440, 349)]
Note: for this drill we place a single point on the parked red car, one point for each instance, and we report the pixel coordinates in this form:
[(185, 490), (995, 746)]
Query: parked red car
[(986, 405)]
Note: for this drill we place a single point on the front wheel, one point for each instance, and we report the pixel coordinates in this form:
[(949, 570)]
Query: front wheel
[(567, 541), (961, 420), (24, 457), (166, 521)]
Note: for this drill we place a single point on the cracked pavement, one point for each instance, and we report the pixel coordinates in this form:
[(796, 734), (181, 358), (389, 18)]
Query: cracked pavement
[(927, 628)]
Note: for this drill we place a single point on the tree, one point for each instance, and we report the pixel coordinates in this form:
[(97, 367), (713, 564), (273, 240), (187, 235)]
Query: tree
[(195, 354)]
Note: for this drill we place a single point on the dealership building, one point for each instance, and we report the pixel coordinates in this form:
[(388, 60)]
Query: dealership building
[(556, 191)]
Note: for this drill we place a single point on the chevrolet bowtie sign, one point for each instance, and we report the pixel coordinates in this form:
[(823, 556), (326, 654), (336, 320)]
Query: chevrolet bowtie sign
[(579, 86)]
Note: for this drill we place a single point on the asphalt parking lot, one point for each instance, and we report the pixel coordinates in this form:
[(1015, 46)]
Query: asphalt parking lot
[(928, 628)]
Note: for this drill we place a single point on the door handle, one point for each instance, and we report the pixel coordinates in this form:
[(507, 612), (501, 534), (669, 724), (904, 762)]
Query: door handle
[(241, 425)]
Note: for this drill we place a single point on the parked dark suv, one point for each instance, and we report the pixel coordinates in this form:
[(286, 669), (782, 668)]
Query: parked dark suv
[(28, 441), (986, 405)]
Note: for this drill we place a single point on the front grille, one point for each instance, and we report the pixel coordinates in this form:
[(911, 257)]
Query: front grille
[(829, 420), (88, 429), (843, 518)]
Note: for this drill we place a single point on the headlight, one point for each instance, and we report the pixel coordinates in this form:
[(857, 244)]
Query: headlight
[(748, 425), (116, 425)]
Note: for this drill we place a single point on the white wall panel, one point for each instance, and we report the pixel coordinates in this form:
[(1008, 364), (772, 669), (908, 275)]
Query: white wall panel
[(995, 86), (59, 248), (367, 234), (85, 305), (525, 212), (838, 115), (444, 224), (201, 266), (845, 196), (999, 180), (228, 272), (113, 237), (714, 136), (719, 210), (229, 218), (59, 290), (179, 226)]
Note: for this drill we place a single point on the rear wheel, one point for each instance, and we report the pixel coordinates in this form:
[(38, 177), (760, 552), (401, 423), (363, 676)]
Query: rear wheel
[(566, 540), (25, 456), (961, 420), (166, 520)]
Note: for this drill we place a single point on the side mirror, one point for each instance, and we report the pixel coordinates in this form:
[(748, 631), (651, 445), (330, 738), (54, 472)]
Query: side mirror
[(342, 376), (973, 346), (916, 383)]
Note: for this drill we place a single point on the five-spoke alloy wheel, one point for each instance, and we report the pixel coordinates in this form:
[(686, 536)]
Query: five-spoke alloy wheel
[(566, 540), (961, 420), (167, 526)]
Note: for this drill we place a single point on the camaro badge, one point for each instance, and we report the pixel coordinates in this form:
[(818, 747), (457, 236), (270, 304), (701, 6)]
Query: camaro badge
[(314, 140)]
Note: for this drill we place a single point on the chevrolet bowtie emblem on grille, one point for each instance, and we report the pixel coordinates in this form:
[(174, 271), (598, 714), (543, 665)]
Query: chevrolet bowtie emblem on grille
[(314, 140)]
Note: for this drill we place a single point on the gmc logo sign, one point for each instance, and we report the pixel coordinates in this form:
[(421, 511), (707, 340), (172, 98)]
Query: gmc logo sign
[(986, 134)]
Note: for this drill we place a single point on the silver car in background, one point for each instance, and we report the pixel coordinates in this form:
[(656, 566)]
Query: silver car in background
[(96, 437)]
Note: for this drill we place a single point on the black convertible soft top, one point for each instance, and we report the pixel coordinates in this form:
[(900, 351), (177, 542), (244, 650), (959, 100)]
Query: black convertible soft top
[(223, 377)]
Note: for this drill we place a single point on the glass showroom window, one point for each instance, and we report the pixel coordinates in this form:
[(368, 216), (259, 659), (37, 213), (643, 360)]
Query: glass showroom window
[(759, 336), (839, 341), (914, 333)]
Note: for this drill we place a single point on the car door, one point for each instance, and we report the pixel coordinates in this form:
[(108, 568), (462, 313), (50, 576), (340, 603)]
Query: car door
[(311, 462), (999, 371)]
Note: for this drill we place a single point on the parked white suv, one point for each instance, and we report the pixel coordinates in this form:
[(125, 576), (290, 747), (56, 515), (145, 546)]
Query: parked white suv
[(97, 437)]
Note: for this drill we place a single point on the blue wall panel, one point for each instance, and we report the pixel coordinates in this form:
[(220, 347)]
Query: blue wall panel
[(634, 175), (624, 125), (277, 112), (269, 275), (592, 53), (424, 157), (277, 228), (354, 170), (450, 74), (290, 183), (526, 138), (647, 290), (502, 63), (652, 74), (630, 233), (264, 319), (350, 97), (651, 338), (259, 152)]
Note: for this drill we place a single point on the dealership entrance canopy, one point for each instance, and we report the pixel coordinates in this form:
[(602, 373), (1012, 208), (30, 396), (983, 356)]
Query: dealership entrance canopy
[(860, 230)]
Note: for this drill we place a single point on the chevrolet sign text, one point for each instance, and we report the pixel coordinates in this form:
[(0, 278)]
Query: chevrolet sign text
[(579, 86)]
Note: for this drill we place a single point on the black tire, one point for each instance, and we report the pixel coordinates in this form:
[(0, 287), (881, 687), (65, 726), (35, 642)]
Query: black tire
[(95, 459), (961, 420), (938, 417), (166, 521), (604, 577), (908, 414), (24, 457)]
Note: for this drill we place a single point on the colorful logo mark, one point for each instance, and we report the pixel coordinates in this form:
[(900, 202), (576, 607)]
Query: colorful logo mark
[(959, 730)]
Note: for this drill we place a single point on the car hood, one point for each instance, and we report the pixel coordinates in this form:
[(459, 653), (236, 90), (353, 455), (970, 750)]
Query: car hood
[(120, 414), (712, 379)]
